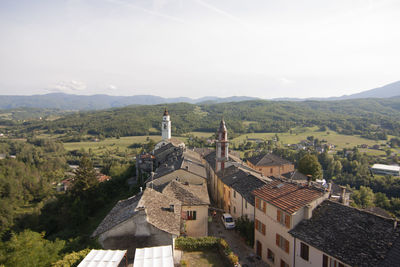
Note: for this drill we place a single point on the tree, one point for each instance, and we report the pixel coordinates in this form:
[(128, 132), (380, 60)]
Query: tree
[(382, 201), (309, 165), (85, 175), (30, 248), (364, 197)]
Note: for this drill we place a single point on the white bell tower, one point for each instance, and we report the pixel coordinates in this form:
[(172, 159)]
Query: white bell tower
[(166, 126)]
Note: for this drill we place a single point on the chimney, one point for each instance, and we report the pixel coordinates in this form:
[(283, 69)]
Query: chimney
[(330, 187), (171, 208), (343, 195), (307, 212), (309, 180)]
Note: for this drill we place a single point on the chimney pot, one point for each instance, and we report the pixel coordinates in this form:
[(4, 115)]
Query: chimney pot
[(307, 212)]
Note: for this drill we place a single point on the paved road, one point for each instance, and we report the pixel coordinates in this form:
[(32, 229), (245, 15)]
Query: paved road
[(246, 254)]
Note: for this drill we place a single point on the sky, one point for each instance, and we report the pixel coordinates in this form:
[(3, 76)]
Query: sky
[(196, 48)]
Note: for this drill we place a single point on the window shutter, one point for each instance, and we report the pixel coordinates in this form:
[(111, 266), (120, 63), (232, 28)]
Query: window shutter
[(324, 261), (256, 224), (278, 215), (263, 229), (287, 221), (277, 240), (286, 246), (264, 206), (194, 215), (257, 203)]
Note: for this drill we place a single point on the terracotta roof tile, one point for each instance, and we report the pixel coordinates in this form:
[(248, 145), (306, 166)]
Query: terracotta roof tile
[(289, 197)]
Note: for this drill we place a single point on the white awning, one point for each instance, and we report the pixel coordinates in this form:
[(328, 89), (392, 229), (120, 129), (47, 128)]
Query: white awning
[(103, 258), (154, 257)]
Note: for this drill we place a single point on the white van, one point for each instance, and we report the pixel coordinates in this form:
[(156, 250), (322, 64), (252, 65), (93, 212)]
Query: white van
[(228, 221)]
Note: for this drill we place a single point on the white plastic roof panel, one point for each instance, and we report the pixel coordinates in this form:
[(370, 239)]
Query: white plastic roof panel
[(103, 258), (154, 257), (386, 167)]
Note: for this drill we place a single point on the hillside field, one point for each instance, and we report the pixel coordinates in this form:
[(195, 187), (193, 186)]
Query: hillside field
[(340, 140)]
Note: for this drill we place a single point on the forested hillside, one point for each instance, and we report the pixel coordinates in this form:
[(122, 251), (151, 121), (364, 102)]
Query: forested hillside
[(371, 118)]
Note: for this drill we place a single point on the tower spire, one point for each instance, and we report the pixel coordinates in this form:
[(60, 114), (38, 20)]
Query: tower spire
[(166, 126), (222, 144)]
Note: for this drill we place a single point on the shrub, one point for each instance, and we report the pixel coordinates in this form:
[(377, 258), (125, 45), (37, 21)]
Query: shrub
[(72, 259), (193, 244), (246, 229)]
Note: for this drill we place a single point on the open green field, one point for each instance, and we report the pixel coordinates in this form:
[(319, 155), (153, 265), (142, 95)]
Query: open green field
[(298, 134), (112, 144), (201, 134)]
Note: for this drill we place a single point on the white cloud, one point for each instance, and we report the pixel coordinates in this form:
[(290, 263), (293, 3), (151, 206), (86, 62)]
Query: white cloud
[(68, 87)]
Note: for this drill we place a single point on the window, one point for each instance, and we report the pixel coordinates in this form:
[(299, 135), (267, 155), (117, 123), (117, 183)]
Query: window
[(270, 255), (234, 210), (234, 194), (284, 264), (260, 226), (261, 205), (329, 262), (282, 243), (270, 170), (304, 251), (283, 218), (191, 215), (245, 204)]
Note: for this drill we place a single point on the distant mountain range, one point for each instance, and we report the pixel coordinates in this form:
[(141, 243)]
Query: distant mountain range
[(96, 102)]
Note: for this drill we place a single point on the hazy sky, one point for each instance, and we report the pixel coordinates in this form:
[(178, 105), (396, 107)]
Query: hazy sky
[(194, 48)]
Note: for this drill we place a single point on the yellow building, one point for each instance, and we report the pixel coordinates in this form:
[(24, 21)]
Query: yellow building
[(194, 202), (270, 165), (279, 207)]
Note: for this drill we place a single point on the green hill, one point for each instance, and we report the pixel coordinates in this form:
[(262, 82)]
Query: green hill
[(372, 118)]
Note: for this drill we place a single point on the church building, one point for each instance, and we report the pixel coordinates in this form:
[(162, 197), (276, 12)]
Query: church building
[(166, 133)]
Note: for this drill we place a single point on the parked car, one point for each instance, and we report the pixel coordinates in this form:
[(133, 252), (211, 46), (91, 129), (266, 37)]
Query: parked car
[(228, 221)]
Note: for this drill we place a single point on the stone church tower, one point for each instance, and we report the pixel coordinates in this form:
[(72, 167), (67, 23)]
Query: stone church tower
[(166, 126), (222, 155)]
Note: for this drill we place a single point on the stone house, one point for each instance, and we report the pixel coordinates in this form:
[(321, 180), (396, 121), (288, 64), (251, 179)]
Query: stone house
[(239, 184), (194, 202), (144, 220), (270, 165), (279, 207), (339, 235)]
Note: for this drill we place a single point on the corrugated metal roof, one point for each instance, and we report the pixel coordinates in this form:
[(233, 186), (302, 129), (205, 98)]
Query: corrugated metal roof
[(154, 257), (103, 258), (386, 167)]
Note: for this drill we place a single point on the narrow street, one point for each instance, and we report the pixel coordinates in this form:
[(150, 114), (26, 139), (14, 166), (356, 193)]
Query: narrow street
[(246, 254)]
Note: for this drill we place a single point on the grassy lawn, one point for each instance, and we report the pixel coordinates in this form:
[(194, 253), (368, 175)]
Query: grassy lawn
[(203, 259)]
